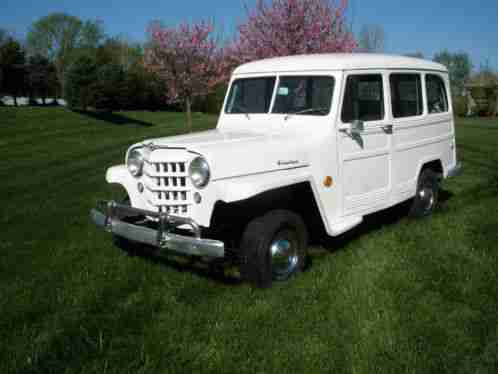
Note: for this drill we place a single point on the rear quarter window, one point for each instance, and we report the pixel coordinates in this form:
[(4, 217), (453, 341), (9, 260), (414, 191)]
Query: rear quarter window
[(437, 99)]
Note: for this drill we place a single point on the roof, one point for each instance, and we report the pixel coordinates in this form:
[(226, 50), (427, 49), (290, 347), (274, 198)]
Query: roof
[(337, 61)]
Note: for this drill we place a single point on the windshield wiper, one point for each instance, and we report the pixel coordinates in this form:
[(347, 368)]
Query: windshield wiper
[(242, 109), (309, 110)]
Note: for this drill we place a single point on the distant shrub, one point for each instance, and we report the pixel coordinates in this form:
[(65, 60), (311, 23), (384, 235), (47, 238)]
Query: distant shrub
[(484, 89), (460, 106), (144, 89), (32, 101), (136, 88)]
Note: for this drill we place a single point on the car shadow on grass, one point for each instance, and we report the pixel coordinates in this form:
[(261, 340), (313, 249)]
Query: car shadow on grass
[(114, 118), (374, 222), (218, 270), (225, 270)]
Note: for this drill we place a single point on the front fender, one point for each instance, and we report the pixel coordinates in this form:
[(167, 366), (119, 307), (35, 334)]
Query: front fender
[(244, 187)]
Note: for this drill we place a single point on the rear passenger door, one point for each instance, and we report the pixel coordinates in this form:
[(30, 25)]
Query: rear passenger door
[(365, 157), (422, 126), (408, 114)]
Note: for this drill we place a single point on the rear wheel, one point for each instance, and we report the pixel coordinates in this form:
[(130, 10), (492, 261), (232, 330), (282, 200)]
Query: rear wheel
[(273, 248), (427, 195)]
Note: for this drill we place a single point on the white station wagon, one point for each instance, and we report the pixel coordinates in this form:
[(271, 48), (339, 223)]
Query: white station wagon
[(302, 142)]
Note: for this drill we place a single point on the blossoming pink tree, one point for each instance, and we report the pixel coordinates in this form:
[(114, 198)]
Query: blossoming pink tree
[(189, 60), (290, 27)]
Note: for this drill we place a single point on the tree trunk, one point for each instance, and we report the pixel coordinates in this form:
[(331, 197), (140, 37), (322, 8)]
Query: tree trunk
[(495, 111), (60, 78), (84, 99), (188, 108), (15, 99)]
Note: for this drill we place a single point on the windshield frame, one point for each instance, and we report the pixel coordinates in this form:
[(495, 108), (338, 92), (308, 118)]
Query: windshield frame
[(326, 74)]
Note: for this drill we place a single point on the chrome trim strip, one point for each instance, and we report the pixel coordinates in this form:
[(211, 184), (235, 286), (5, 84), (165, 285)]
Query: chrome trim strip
[(402, 125), (260, 173), (424, 142)]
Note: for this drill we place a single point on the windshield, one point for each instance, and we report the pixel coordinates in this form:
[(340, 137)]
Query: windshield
[(311, 95), (250, 96), (305, 95)]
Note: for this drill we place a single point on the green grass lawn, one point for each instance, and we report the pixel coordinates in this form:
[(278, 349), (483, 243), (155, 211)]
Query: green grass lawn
[(396, 296)]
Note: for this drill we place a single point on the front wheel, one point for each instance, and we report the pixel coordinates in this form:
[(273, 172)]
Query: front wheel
[(427, 195), (273, 248)]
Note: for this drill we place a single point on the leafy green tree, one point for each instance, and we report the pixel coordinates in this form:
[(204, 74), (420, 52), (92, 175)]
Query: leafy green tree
[(12, 60), (108, 91), (119, 51), (4, 36), (80, 77), (145, 89), (40, 75), (59, 37), (3, 40), (136, 88), (483, 87), (459, 66), (91, 35), (486, 76)]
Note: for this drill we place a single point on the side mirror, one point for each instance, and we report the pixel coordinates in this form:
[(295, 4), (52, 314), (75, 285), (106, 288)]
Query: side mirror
[(357, 127)]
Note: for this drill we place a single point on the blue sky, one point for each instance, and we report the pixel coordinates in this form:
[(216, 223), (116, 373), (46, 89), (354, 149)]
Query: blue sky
[(424, 25)]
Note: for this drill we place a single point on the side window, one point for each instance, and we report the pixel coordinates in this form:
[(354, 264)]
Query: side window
[(437, 101), (406, 95), (363, 98)]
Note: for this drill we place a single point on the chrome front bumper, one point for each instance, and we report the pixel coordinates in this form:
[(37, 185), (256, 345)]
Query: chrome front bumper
[(455, 171), (109, 215)]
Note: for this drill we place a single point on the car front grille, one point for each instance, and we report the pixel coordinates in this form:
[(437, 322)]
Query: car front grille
[(168, 186)]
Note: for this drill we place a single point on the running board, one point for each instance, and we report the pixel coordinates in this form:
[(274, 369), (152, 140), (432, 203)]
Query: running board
[(346, 224)]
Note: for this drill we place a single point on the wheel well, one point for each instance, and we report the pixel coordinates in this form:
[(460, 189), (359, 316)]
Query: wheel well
[(436, 166), (298, 198)]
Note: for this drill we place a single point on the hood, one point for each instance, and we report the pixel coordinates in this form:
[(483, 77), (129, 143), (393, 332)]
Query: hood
[(240, 153), (203, 139)]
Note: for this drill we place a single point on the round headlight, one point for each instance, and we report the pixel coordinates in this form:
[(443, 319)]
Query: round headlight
[(199, 172), (135, 163)]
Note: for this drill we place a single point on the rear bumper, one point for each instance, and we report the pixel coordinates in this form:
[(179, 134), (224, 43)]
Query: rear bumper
[(110, 216), (455, 171)]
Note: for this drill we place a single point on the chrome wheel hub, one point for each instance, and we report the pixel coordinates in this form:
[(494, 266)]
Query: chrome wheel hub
[(426, 196), (284, 255)]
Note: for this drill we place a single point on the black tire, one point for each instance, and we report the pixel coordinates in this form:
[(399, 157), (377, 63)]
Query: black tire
[(280, 232), (427, 195)]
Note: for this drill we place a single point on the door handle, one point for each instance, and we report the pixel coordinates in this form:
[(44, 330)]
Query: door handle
[(388, 129)]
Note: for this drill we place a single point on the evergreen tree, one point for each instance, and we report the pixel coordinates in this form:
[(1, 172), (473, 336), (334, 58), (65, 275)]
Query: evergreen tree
[(79, 79)]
